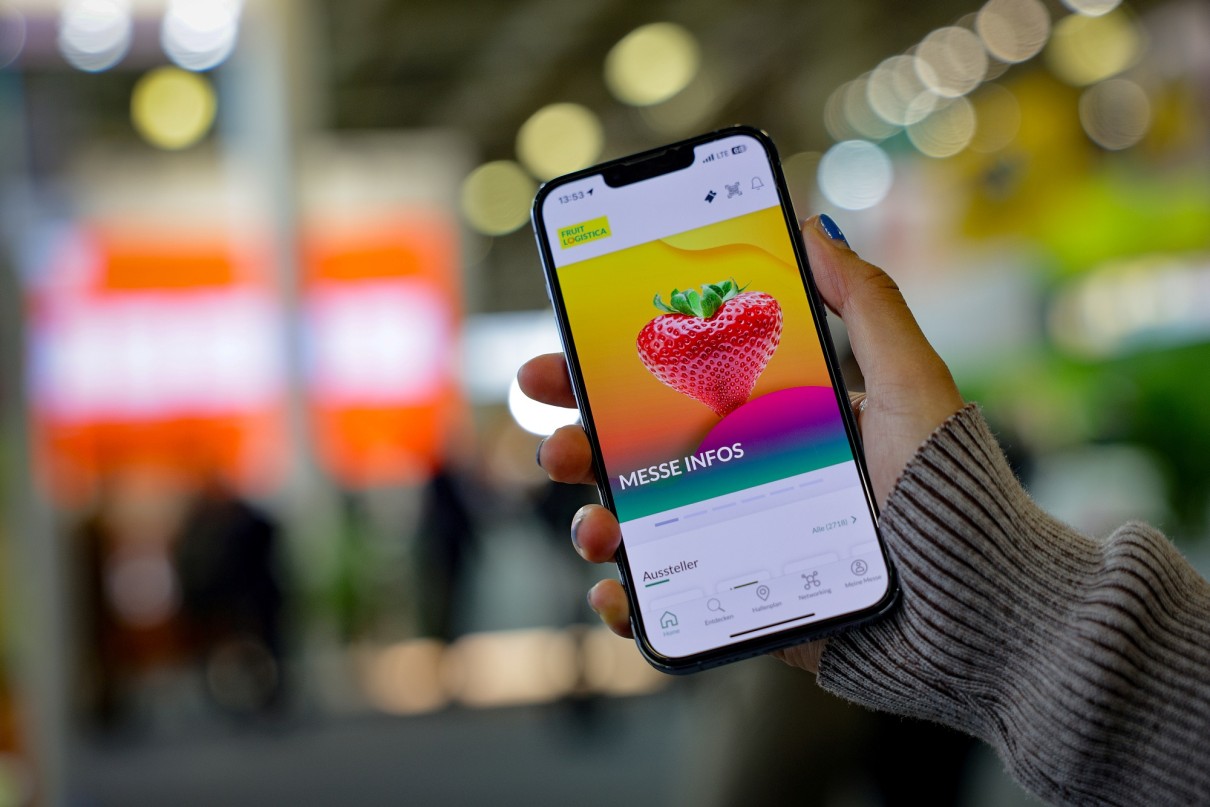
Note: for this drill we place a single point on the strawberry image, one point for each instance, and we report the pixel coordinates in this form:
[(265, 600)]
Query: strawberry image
[(712, 346)]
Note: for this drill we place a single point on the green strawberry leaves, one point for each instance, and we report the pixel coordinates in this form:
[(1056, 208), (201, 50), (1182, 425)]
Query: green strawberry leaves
[(704, 304)]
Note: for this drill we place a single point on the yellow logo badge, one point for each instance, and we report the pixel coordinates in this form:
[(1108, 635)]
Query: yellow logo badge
[(584, 232)]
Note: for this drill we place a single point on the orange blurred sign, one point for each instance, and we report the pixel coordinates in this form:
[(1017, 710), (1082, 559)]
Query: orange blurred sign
[(152, 349), (382, 307)]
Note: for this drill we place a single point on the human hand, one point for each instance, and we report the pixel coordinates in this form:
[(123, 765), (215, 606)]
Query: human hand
[(909, 393)]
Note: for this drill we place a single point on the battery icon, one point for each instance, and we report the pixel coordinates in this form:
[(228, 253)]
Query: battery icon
[(740, 149)]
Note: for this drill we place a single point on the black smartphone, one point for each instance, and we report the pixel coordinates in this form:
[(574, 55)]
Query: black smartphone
[(721, 430)]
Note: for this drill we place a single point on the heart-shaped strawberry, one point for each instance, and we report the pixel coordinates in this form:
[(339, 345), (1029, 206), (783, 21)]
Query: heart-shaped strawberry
[(712, 346)]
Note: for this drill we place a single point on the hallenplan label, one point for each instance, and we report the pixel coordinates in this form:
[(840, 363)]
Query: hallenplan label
[(585, 231)]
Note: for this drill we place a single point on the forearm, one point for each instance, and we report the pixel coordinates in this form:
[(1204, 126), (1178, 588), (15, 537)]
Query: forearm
[(1085, 663)]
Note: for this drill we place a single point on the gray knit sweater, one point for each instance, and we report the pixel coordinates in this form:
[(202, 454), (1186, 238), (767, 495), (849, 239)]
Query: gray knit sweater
[(1085, 663)]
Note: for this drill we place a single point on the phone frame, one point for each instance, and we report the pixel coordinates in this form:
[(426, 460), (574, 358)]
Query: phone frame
[(647, 165)]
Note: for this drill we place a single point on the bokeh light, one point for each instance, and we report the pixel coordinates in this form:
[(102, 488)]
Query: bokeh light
[(515, 667), (496, 197), (94, 35), (12, 34), (951, 61), (1085, 50), (609, 666), (1092, 8), (537, 418), (1144, 297), (652, 63), (1115, 114), (405, 678), (995, 68), (896, 93), (834, 118), (200, 34), (855, 174), (142, 587), (559, 138), (854, 107), (172, 108), (997, 118), (945, 132), (1013, 30), (687, 111), (242, 674)]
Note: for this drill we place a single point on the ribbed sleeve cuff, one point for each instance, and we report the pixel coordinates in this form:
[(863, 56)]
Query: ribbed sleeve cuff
[(1085, 663)]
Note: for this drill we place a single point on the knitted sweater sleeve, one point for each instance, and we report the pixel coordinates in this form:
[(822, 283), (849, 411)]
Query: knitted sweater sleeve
[(1084, 662)]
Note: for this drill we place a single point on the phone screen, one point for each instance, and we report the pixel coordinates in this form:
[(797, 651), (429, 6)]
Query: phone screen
[(711, 402)]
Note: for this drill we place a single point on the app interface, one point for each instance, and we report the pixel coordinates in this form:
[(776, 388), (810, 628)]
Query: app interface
[(741, 507)]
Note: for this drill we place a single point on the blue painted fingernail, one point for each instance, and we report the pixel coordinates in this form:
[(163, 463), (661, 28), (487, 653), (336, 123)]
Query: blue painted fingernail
[(538, 453), (831, 229)]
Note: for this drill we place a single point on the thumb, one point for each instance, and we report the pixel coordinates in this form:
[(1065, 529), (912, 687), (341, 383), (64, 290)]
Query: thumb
[(887, 342), (909, 390)]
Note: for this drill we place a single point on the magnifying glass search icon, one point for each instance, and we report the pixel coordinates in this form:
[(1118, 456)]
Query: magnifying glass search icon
[(715, 605)]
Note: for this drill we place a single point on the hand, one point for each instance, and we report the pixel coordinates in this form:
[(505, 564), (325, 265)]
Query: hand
[(909, 393)]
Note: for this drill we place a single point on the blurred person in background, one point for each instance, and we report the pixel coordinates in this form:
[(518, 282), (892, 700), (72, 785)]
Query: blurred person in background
[(446, 537), (173, 578), (1082, 662), (231, 598), (130, 591)]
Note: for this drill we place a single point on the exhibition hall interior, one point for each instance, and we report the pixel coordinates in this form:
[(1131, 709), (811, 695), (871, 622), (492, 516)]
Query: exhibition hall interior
[(271, 528)]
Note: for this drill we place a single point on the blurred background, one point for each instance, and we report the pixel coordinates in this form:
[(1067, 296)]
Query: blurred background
[(272, 531)]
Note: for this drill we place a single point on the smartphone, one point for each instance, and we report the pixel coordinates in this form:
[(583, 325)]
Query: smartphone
[(709, 388)]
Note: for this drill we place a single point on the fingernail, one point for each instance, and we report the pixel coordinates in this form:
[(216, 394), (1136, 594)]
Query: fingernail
[(831, 229), (575, 529), (592, 607), (538, 453)]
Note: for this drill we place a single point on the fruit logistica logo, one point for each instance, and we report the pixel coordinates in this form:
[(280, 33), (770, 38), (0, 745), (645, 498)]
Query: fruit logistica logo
[(585, 231)]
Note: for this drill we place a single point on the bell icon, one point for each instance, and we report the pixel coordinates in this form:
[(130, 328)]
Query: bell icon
[(757, 184)]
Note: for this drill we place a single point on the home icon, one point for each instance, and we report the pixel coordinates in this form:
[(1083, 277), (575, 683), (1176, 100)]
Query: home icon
[(668, 620)]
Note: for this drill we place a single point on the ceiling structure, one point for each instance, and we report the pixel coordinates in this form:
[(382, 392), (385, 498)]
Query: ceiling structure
[(480, 68), (483, 67)]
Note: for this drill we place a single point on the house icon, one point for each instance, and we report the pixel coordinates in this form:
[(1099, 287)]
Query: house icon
[(668, 620)]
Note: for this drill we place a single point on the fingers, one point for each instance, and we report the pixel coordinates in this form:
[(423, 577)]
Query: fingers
[(910, 390), (595, 533), (566, 456), (596, 536), (857, 401), (544, 378), (887, 342), (609, 601), (806, 656)]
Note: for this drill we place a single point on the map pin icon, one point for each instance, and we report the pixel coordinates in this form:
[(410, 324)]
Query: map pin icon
[(762, 592)]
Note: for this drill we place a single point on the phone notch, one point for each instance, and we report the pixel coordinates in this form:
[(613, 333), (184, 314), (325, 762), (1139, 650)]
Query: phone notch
[(648, 165)]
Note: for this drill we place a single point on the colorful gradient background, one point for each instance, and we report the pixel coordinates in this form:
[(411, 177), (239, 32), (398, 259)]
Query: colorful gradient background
[(641, 422)]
